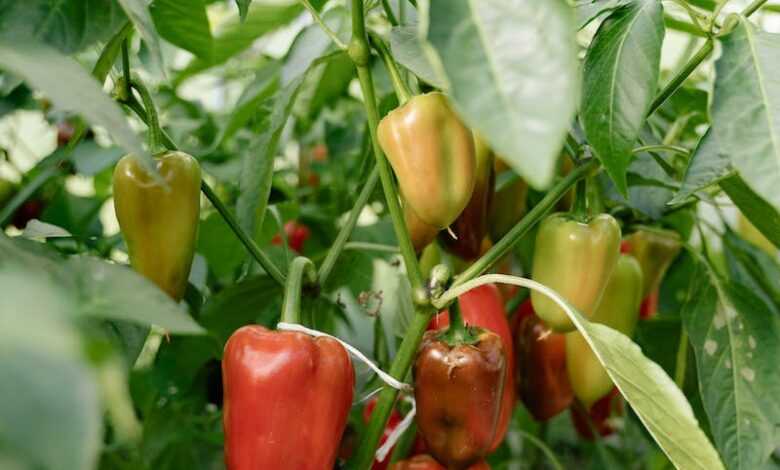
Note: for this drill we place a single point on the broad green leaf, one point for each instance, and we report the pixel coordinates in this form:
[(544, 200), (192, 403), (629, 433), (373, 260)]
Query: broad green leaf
[(759, 212), (736, 337), (507, 77), (652, 394), (239, 35), (746, 107), (708, 165), (217, 243), (750, 266), (50, 409), (90, 158), (184, 23), (649, 188), (138, 12), (248, 107), (69, 26), (100, 289), (620, 80), (256, 178), (408, 51), (71, 88)]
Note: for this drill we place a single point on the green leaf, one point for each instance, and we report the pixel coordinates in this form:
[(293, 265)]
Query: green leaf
[(708, 165), (100, 289), (257, 175), (589, 10), (243, 8), (69, 26), (408, 50), (759, 212), (266, 82), (217, 243), (746, 107), (750, 266), (652, 394), (184, 23), (507, 78), (71, 88), (620, 80), (736, 338), (138, 12), (239, 35), (48, 395)]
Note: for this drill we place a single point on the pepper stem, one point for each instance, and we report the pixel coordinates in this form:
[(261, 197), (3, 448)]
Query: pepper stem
[(300, 267), (458, 332), (153, 122), (401, 90), (580, 209)]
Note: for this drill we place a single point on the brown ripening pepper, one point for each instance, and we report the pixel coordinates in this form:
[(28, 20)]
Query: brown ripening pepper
[(458, 387), (432, 154), (471, 226), (421, 233), (509, 203)]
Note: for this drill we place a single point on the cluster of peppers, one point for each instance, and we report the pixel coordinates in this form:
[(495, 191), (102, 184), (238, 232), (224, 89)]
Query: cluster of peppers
[(472, 363)]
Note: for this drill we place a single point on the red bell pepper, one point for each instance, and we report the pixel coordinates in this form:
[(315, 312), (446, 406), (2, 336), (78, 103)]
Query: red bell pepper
[(287, 399), (484, 307), (599, 415)]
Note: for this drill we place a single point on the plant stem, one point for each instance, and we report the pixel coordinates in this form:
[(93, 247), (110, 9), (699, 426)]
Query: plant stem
[(318, 19), (299, 267), (243, 237), (126, 68), (341, 239), (662, 148), (502, 247), (389, 12), (401, 90), (543, 447), (152, 122), (580, 209), (682, 359), (695, 61)]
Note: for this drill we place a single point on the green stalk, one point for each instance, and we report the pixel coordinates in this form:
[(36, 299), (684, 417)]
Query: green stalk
[(243, 237), (341, 239), (152, 122), (401, 90), (500, 249), (457, 332), (299, 267), (580, 209), (682, 359)]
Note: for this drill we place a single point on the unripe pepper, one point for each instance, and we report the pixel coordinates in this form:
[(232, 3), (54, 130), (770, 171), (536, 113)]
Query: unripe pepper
[(655, 250), (471, 227), (542, 382), (426, 462), (287, 399), (509, 203), (159, 223), (432, 154), (575, 259), (458, 385), (619, 310), (483, 307)]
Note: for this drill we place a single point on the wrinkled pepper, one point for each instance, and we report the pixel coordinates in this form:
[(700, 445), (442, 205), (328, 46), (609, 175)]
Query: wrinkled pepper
[(575, 258), (601, 416), (159, 224), (483, 307), (471, 227), (655, 250), (619, 310), (287, 399), (509, 202), (426, 462), (421, 233), (542, 382), (432, 155), (459, 378)]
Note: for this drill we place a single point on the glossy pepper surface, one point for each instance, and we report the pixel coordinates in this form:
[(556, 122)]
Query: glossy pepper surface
[(287, 399), (458, 387), (655, 250), (421, 233), (432, 154), (159, 224), (426, 462), (509, 202), (575, 259), (600, 416), (542, 382), (483, 307), (619, 310), (471, 227)]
